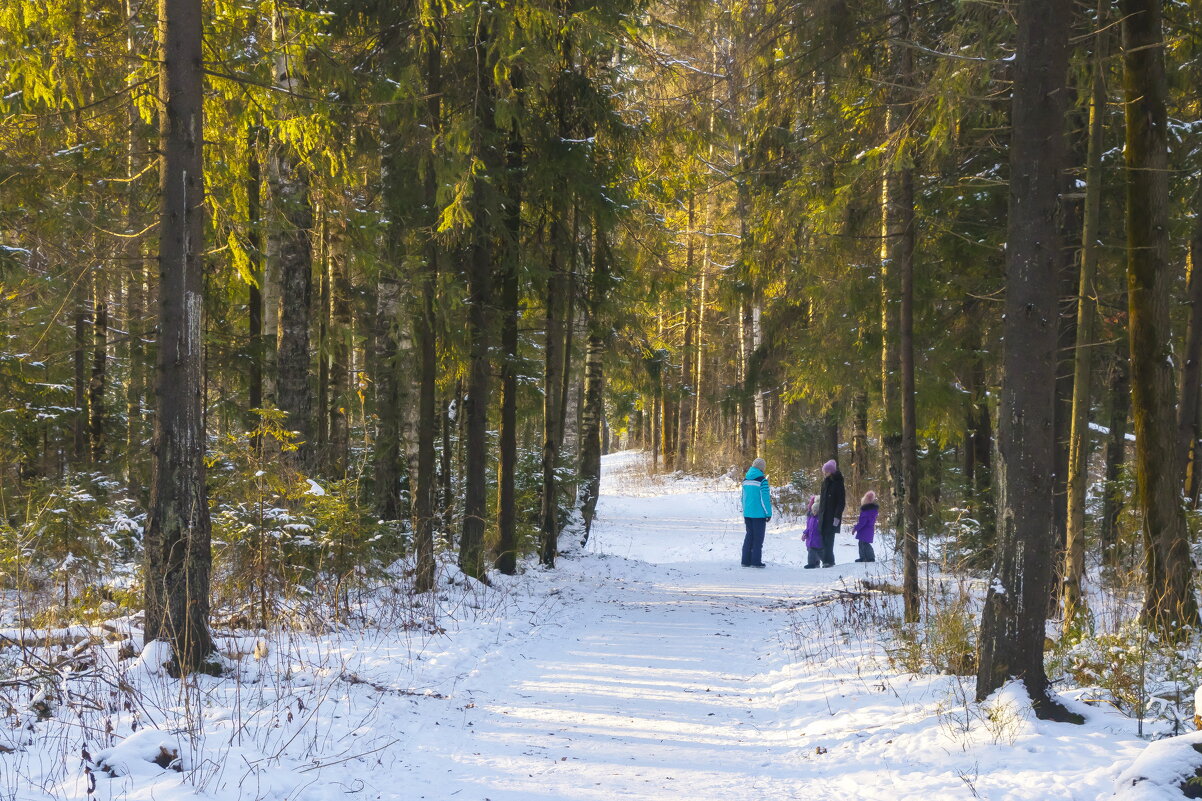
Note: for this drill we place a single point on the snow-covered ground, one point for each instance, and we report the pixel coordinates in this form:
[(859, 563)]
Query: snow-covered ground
[(648, 665)]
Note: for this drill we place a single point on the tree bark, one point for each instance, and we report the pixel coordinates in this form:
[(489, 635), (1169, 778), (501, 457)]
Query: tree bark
[(566, 385), (656, 394), (386, 378), (1190, 408), (591, 445), (699, 374), (859, 444), (79, 425), (1119, 387), (135, 268), (325, 306), (99, 378), (290, 194), (757, 361), (510, 297), (446, 499), (981, 445), (479, 322), (831, 446), (904, 255), (688, 367), (425, 326), (178, 557), (254, 306), (706, 260), (897, 259), (1079, 437), (552, 394), (748, 380), (1012, 626), (341, 345), (1169, 603)]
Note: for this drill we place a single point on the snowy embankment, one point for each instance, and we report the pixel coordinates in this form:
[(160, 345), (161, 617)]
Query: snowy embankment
[(650, 666)]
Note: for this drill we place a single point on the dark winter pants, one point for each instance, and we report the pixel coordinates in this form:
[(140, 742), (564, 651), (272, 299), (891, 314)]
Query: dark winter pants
[(828, 548), (866, 552), (815, 557), (753, 542)]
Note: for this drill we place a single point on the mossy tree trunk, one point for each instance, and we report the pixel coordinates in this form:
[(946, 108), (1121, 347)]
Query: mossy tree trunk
[(1079, 437), (1169, 602)]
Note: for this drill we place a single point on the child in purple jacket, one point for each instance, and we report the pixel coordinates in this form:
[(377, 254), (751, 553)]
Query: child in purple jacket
[(813, 537), (865, 527)]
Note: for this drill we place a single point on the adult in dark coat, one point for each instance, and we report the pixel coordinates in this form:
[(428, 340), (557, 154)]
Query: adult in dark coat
[(831, 501)]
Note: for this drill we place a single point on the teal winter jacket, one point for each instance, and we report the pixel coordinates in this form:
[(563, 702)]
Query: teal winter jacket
[(757, 498)]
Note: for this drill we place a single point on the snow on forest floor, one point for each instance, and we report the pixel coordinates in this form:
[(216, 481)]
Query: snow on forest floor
[(650, 665)]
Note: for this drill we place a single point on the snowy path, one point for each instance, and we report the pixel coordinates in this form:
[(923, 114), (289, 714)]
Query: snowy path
[(669, 671), (664, 686)]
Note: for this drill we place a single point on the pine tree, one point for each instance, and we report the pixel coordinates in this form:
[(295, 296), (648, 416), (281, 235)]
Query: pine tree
[(1012, 625), (178, 556)]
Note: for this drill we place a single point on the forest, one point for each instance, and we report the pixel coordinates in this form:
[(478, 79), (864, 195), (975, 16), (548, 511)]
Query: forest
[(301, 298)]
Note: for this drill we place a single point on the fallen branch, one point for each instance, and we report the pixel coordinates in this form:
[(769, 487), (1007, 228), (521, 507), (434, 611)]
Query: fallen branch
[(354, 678)]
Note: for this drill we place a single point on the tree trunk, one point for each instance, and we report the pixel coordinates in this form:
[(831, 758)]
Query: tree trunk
[(591, 445), (706, 261), (479, 322), (1189, 409), (667, 408), (135, 308), (510, 297), (688, 367), (1068, 281), (904, 256), (290, 194), (99, 380), (1169, 603), (699, 374), (859, 444), (897, 253), (325, 301), (747, 422), (1113, 501), (1078, 463), (656, 394), (552, 393), (445, 478), (757, 360), (900, 236), (135, 268), (425, 326), (341, 344), (254, 306), (569, 335), (178, 557), (982, 451), (386, 378), (79, 424), (1012, 626)]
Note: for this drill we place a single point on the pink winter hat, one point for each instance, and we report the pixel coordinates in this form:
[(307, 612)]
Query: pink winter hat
[(830, 467), (813, 503), (869, 497)]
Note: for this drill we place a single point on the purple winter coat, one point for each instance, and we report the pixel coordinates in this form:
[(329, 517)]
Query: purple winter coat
[(865, 527), (813, 537)]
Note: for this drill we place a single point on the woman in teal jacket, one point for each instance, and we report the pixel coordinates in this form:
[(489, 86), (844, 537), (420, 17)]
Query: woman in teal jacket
[(757, 511)]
